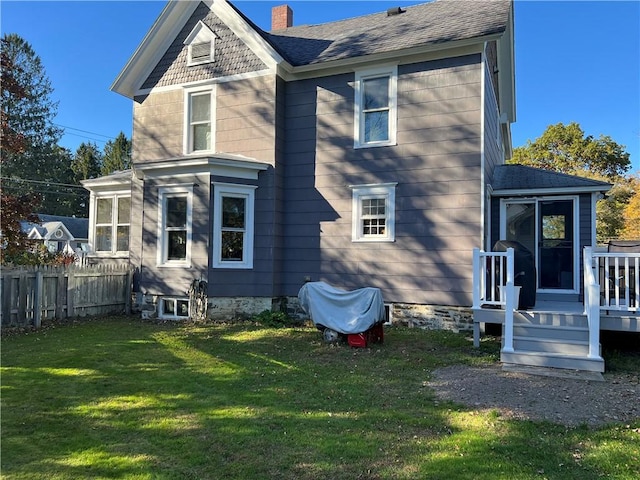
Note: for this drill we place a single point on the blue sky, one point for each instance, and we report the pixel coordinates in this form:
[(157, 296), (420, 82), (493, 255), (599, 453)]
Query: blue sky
[(575, 60)]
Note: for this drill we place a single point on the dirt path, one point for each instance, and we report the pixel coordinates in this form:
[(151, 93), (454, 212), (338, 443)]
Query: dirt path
[(565, 401)]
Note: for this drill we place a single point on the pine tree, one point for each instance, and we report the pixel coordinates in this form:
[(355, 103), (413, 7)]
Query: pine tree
[(117, 155)]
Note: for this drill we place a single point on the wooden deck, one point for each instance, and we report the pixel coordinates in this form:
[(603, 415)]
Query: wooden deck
[(609, 320)]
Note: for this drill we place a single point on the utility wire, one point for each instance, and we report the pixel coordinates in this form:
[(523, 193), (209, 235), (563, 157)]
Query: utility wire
[(42, 182), (85, 131)]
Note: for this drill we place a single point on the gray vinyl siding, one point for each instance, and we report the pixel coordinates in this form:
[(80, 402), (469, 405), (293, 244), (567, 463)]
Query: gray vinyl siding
[(258, 281), (160, 280), (436, 164), (244, 116)]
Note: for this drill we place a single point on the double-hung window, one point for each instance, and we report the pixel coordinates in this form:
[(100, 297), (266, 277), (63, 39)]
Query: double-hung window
[(233, 225), (376, 107), (112, 221), (373, 212), (199, 121), (174, 225)]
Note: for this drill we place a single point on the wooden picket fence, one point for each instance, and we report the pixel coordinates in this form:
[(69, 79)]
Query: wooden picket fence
[(30, 295)]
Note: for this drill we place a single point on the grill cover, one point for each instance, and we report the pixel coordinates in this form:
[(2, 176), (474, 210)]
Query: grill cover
[(345, 312)]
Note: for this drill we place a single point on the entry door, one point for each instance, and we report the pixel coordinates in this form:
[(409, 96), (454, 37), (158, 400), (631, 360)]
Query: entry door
[(547, 228), (556, 244)]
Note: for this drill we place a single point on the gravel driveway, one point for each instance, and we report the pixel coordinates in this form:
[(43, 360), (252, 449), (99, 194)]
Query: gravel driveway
[(566, 401)]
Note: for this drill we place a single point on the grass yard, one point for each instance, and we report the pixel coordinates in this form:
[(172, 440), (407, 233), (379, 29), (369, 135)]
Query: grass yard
[(119, 398)]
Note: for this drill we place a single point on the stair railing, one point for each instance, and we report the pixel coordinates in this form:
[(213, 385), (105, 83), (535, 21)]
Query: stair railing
[(592, 300), (493, 285)]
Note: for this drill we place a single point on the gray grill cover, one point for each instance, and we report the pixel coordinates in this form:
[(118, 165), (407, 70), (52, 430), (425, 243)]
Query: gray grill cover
[(345, 312)]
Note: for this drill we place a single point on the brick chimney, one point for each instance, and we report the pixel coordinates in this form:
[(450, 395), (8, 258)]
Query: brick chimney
[(281, 17)]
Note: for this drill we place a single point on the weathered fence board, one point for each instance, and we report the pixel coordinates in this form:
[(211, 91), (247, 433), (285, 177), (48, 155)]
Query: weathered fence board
[(32, 294)]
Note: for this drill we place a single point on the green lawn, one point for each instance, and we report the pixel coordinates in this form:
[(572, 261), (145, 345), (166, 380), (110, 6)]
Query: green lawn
[(119, 398)]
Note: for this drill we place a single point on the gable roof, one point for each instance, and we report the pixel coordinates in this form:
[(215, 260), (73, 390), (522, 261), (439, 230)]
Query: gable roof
[(428, 24), (514, 179), (77, 227), (429, 27)]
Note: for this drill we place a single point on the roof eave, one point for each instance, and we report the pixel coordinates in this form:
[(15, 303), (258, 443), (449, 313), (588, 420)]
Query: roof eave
[(422, 52), (506, 69), (508, 192), (153, 46)]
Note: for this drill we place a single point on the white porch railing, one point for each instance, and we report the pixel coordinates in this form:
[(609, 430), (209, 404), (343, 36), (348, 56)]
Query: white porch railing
[(618, 274), (611, 283), (493, 285), (592, 301)]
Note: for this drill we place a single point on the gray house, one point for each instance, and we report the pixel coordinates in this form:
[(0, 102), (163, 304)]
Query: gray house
[(59, 233), (363, 152)]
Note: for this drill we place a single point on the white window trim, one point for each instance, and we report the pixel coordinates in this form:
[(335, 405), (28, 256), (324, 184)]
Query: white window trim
[(187, 135), (93, 217), (392, 73), (233, 190), (165, 316), (163, 194), (359, 192), (200, 34)]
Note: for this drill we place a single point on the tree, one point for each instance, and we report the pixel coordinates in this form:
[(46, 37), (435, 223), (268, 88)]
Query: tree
[(566, 149), (32, 161), (27, 110), (87, 161), (117, 155), (13, 208), (631, 213)]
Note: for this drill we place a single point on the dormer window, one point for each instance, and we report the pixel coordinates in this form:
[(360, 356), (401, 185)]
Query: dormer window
[(201, 45)]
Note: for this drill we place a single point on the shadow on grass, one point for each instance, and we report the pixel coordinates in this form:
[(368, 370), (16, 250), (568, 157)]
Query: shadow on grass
[(121, 399)]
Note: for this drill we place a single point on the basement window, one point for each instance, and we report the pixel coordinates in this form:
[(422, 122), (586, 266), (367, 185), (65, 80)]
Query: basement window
[(174, 308)]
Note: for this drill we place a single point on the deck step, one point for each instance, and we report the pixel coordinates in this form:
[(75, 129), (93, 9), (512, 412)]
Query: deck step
[(551, 319), (546, 345), (553, 360), (580, 334)]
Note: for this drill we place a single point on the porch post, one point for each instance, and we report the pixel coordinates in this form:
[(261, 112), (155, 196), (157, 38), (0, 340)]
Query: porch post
[(592, 303), (476, 278), (509, 304)]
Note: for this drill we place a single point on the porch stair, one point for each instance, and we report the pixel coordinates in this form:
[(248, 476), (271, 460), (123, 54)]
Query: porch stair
[(552, 340)]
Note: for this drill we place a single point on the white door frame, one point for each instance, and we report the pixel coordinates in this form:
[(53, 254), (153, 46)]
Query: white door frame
[(576, 235)]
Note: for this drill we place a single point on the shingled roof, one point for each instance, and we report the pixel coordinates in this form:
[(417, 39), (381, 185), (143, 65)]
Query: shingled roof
[(417, 26), (509, 178)]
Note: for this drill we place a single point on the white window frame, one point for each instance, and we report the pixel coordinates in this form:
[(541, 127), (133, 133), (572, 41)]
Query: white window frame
[(199, 35), (162, 246), (115, 198), (390, 72), (189, 93), (247, 192), (373, 191), (166, 316)]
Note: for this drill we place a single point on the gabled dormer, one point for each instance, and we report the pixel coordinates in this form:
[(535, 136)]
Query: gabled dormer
[(201, 45)]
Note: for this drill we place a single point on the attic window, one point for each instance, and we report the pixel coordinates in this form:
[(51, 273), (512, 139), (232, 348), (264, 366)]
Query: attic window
[(201, 45)]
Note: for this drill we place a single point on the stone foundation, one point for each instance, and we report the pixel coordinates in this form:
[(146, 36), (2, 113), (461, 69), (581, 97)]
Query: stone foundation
[(430, 317), (236, 308), (433, 317), (218, 308)]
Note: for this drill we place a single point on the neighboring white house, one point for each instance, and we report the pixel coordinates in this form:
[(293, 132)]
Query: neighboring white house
[(58, 233)]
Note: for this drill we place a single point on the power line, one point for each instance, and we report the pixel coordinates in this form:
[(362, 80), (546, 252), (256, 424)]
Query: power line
[(90, 138), (42, 182), (85, 131)]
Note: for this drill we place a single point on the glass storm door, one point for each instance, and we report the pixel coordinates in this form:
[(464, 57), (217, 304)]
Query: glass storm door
[(547, 229), (556, 254)]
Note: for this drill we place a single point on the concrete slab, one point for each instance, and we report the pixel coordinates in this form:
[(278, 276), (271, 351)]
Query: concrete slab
[(554, 372)]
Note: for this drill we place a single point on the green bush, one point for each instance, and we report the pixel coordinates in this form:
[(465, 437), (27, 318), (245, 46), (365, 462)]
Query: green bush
[(271, 319)]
